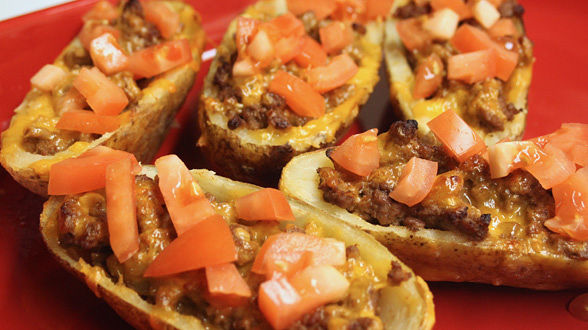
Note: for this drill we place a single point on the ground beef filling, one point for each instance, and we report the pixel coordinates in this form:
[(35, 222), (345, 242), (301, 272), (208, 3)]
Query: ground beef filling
[(455, 199), (486, 105), (137, 33), (42, 138), (83, 232)]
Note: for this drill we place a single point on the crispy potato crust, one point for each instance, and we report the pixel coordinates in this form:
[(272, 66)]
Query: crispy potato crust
[(444, 255), (402, 78), (144, 127), (405, 306), (258, 156)]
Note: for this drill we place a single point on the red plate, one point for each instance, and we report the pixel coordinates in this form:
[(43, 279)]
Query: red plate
[(35, 292)]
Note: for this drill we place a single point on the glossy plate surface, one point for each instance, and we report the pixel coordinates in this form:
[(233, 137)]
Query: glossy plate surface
[(35, 292)]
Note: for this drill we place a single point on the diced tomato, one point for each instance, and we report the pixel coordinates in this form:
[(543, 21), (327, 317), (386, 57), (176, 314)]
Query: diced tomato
[(86, 172), (505, 157), (71, 100), (103, 96), (336, 36), (359, 154), (261, 48), (318, 285), (107, 54), (321, 8), (428, 77), (160, 58), (456, 135), (571, 139), (416, 181), (299, 95), (246, 29), (458, 6), (311, 53), (552, 168), (264, 204), (207, 243), (288, 48), (412, 34), (349, 11), (472, 67), (278, 301), (244, 67), (485, 13), (502, 28), (121, 209), (283, 253), (91, 30), (87, 122), (470, 39), (377, 8), (571, 207), (335, 74), (287, 25), (184, 199), (102, 10), (226, 286), (49, 77), (160, 14), (442, 24)]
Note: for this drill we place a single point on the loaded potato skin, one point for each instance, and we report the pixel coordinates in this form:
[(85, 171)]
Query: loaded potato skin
[(250, 126), (57, 121)]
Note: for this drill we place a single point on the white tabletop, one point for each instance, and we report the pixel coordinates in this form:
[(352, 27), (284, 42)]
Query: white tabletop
[(13, 8)]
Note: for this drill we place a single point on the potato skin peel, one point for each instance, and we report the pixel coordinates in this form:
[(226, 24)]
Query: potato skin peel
[(406, 306), (443, 255), (144, 127), (402, 79), (258, 156)]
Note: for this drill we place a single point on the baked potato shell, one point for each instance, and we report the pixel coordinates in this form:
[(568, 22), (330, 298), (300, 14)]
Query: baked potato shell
[(438, 255), (144, 126), (259, 155), (406, 306), (402, 78)]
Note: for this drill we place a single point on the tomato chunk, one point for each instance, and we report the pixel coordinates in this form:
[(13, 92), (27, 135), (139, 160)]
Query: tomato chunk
[(458, 6), (49, 77), (246, 29), (103, 96), (571, 207), (288, 48), (299, 95), (335, 74), (378, 8), (87, 122), (160, 58), (472, 67), (456, 135), (86, 172), (311, 53), (336, 36), (207, 243), (91, 30), (226, 286), (416, 181), (552, 168), (102, 10), (318, 285), (359, 154), (505, 157), (165, 19), (184, 199), (412, 34), (71, 100), (287, 25), (471, 39), (264, 204), (321, 8), (571, 139), (503, 27), (261, 48), (428, 77), (107, 54), (283, 253), (278, 300), (121, 209)]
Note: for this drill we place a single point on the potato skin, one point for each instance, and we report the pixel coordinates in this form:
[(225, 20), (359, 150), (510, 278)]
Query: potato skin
[(244, 157), (443, 255), (142, 134), (401, 80), (405, 306)]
